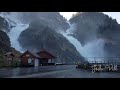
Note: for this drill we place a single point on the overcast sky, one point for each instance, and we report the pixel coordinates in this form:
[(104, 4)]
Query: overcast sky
[(114, 15)]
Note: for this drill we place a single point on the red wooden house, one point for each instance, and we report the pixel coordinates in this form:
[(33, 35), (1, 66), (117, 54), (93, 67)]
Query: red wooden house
[(35, 59), (28, 59), (46, 58)]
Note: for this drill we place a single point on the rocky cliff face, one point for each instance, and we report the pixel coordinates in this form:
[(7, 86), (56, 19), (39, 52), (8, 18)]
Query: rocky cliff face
[(4, 42), (87, 25), (39, 36), (92, 25), (4, 26), (4, 39)]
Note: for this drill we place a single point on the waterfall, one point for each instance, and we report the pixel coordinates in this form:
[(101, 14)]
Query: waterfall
[(17, 28), (95, 48), (14, 35)]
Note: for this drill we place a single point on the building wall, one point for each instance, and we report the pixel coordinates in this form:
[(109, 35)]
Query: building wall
[(36, 63), (26, 56), (44, 61), (8, 60), (24, 61)]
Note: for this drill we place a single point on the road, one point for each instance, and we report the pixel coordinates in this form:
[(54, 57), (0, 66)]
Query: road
[(63, 71)]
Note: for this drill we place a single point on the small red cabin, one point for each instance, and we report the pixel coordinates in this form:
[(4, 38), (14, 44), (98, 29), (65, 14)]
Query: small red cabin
[(28, 58), (46, 58), (35, 59)]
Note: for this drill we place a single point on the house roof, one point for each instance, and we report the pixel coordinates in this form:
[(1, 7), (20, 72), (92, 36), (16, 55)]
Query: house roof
[(9, 53), (45, 54), (35, 54), (32, 53), (41, 54)]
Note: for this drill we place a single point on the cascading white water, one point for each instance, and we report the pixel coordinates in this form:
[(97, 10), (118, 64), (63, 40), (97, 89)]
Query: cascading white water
[(15, 31), (92, 49), (14, 34)]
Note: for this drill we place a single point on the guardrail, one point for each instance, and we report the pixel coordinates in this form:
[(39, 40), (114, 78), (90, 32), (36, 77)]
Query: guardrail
[(103, 60), (101, 64)]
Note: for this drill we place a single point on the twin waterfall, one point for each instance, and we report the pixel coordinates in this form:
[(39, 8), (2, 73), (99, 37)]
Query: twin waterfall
[(92, 49)]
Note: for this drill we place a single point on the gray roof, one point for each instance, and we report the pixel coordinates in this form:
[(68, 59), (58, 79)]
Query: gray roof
[(9, 53)]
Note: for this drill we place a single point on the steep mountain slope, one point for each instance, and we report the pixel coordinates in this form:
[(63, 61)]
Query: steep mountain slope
[(39, 36), (94, 25), (5, 44), (4, 39)]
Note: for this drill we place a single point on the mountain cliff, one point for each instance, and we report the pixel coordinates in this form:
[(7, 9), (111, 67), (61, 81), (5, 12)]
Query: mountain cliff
[(39, 36), (95, 25), (51, 19), (4, 42)]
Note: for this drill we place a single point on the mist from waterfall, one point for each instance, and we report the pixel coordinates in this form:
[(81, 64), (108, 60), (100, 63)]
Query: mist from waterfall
[(94, 48)]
